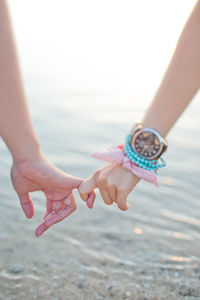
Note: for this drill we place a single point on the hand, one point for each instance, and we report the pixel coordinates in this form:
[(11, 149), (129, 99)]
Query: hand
[(114, 183), (39, 174)]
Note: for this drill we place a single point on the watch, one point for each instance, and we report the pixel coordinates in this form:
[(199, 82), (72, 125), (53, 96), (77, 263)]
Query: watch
[(147, 142)]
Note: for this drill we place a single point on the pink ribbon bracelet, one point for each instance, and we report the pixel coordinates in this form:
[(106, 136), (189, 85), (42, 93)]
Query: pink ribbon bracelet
[(116, 154)]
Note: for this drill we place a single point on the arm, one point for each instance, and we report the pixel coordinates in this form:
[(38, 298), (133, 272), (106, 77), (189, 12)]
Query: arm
[(180, 83), (30, 171), (181, 80), (16, 127)]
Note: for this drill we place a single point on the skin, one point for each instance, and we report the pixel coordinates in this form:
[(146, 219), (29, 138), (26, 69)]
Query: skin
[(30, 171), (39, 174), (177, 88)]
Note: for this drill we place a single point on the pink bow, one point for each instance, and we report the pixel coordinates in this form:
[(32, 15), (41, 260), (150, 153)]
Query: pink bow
[(116, 155)]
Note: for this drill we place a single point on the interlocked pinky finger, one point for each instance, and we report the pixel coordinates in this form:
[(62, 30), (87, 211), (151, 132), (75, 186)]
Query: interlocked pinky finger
[(91, 199)]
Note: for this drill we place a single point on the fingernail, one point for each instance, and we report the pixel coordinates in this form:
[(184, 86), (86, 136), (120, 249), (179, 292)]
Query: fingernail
[(28, 211), (38, 231), (90, 201)]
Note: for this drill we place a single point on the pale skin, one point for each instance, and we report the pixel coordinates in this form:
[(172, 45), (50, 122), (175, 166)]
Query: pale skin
[(178, 86), (30, 171)]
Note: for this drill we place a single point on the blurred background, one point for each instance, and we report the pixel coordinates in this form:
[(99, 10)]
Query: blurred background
[(90, 70)]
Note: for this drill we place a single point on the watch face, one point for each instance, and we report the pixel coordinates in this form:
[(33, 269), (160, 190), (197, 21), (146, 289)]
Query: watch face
[(146, 144)]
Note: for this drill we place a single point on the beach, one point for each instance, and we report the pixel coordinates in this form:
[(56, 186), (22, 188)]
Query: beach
[(149, 252), (90, 70)]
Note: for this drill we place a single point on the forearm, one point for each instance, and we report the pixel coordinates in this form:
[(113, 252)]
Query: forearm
[(181, 80), (15, 123)]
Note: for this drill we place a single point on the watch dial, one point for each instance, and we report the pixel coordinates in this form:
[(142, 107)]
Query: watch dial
[(147, 145)]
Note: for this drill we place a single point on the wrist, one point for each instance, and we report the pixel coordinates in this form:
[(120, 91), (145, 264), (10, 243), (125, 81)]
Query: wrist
[(145, 143), (161, 125), (27, 152)]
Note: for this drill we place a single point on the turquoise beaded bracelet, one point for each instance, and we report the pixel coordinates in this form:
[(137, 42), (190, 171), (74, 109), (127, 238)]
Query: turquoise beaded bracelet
[(140, 161)]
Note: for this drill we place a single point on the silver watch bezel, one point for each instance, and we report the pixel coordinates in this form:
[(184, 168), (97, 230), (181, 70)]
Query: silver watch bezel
[(138, 130)]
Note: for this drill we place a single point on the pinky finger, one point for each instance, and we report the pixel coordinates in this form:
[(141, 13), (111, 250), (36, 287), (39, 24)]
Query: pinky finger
[(91, 199)]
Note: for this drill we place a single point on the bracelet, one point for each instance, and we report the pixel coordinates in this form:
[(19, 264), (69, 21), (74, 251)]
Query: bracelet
[(117, 155), (140, 161)]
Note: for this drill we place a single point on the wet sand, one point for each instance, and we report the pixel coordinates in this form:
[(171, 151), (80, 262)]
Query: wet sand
[(104, 254), (149, 252)]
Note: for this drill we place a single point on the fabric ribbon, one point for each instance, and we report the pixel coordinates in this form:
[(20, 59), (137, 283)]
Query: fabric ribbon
[(116, 154)]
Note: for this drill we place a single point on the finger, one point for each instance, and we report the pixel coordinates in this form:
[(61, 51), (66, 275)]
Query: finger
[(91, 199), (75, 181), (68, 201), (49, 207), (122, 200), (57, 205), (43, 225), (53, 206), (87, 187), (55, 218), (112, 191), (105, 196), (27, 205), (103, 189)]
